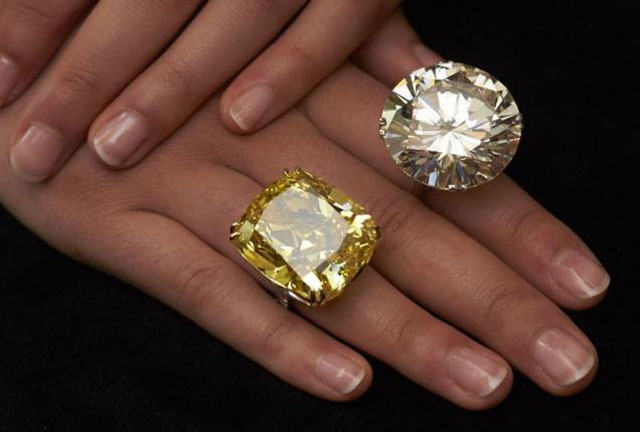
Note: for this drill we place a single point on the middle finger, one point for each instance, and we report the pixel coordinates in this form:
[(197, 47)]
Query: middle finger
[(373, 315), (438, 265)]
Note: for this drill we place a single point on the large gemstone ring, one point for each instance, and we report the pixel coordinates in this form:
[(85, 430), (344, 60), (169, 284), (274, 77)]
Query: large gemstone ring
[(306, 237), (451, 126)]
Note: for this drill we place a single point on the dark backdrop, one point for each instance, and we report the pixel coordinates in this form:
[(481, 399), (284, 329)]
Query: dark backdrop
[(82, 351)]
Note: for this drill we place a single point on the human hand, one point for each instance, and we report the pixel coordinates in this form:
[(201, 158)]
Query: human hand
[(135, 71), (490, 262)]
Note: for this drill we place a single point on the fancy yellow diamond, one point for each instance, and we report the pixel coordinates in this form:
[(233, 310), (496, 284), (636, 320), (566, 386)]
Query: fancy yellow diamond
[(451, 126), (306, 236)]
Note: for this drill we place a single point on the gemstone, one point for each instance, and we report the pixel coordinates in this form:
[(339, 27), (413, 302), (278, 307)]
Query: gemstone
[(451, 126), (306, 236)]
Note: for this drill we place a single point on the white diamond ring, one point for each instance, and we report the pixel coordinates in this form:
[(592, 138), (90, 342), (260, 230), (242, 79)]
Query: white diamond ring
[(451, 126)]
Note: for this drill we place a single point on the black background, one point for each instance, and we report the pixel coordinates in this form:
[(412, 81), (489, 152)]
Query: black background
[(82, 351)]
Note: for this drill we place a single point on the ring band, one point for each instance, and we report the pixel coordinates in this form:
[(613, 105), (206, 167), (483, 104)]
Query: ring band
[(306, 237), (451, 126)]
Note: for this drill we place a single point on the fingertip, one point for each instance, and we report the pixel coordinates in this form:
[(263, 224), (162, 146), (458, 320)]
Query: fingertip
[(479, 379), (579, 304), (578, 279), (37, 153), (117, 141), (424, 55), (580, 385), (249, 110), (345, 376), (9, 74), (566, 361)]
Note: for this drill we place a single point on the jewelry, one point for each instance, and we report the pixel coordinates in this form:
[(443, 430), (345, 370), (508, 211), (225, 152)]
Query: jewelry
[(451, 126), (307, 237)]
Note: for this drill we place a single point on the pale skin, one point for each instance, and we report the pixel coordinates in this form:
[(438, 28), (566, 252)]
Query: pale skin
[(491, 264)]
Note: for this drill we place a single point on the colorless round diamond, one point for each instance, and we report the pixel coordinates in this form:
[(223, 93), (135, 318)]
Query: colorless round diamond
[(451, 126)]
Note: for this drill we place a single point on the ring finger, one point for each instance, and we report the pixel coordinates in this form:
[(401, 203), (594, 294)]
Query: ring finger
[(500, 215), (441, 267), (372, 315)]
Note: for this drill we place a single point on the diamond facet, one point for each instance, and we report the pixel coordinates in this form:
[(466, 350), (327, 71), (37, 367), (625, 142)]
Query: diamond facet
[(451, 126), (306, 236)]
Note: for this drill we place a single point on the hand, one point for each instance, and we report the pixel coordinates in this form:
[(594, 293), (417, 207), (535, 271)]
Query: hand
[(490, 263), (135, 71)]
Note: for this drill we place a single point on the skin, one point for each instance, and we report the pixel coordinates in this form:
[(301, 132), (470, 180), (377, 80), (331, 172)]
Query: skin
[(481, 261), (171, 56)]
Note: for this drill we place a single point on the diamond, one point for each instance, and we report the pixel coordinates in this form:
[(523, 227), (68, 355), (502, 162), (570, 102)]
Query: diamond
[(451, 126), (306, 236)]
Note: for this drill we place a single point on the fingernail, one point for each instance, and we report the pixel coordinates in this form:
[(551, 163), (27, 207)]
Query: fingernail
[(36, 153), (118, 139), (251, 106), (582, 277), (562, 357), (339, 373), (8, 77), (474, 372), (425, 55)]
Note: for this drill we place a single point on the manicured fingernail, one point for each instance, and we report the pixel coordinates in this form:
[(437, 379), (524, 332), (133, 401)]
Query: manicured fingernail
[(425, 55), (251, 106), (36, 153), (474, 372), (8, 77), (562, 357), (118, 139), (339, 373), (581, 276)]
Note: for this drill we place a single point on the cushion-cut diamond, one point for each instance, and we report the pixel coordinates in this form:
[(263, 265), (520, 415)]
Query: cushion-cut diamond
[(451, 126), (306, 236)]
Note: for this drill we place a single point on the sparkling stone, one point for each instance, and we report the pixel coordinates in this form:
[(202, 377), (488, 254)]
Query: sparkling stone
[(306, 236), (451, 126)]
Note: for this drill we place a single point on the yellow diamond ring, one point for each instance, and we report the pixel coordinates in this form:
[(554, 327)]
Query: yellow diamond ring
[(307, 237), (451, 126)]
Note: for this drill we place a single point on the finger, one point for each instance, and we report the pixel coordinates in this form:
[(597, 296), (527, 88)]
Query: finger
[(222, 38), (372, 315), (499, 215), (163, 258), (441, 267), (528, 238), (393, 50), (84, 79), (32, 31), (318, 41)]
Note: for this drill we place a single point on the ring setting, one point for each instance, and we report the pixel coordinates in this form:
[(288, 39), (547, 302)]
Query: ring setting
[(306, 237), (451, 126)]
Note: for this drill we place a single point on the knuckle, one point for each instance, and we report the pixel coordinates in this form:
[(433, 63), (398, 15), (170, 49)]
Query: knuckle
[(177, 76), (500, 305), (276, 336), (202, 283), (32, 11), (394, 213), (302, 60), (403, 332), (519, 224), (79, 79)]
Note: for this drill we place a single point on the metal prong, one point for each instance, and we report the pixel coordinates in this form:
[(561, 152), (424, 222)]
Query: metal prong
[(383, 127), (234, 230), (286, 171), (283, 298)]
